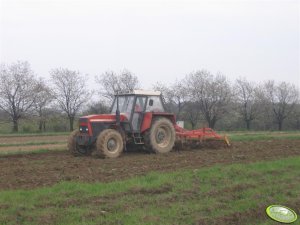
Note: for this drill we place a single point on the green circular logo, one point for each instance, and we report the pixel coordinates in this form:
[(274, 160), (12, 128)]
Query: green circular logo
[(281, 214)]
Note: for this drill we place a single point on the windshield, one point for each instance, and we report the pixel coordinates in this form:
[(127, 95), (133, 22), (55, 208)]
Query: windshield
[(125, 105)]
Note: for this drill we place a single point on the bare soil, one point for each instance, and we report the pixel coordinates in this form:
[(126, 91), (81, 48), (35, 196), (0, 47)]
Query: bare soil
[(44, 169)]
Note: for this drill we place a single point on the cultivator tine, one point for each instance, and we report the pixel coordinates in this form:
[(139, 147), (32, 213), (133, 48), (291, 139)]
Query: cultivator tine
[(226, 140)]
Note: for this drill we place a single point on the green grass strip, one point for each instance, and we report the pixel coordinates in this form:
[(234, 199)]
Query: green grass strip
[(34, 134), (231, 194), (260, 136)]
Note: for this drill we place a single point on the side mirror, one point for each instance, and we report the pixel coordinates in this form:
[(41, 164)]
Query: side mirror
[(151, 102)]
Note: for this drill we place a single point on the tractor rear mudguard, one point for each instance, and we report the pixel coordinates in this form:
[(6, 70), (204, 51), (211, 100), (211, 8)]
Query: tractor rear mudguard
[(148, 117)]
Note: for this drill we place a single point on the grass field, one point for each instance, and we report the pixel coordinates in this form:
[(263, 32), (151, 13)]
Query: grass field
[(237, 193), (256, 136), (227, 186)]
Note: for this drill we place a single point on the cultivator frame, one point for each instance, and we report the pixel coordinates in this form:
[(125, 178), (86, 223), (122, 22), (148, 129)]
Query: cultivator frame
[(199, 136)]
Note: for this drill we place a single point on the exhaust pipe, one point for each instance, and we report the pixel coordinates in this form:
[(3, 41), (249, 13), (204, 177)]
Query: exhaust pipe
[(118, 111)]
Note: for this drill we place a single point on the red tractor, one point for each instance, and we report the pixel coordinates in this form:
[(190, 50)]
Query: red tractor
[(138, 118)]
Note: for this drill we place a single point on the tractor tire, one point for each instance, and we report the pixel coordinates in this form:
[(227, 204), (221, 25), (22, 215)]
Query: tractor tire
[(73, 148), (161, 136), (109, 144)]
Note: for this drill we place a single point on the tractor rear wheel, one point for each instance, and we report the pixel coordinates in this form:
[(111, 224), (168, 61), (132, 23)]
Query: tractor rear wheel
[(73, 148), (110, 144), (161, 136)]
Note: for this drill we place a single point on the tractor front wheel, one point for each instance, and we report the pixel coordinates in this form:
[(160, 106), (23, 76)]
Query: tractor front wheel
[(109, 144), (161, 136), (73, 148)]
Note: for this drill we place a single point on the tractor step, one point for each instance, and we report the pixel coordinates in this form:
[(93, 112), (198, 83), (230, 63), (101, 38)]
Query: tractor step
[(138, 139)]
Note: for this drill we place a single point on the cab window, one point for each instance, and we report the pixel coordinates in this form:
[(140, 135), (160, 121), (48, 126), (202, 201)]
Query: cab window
[(140, 104), (154, 104), (125, 105)]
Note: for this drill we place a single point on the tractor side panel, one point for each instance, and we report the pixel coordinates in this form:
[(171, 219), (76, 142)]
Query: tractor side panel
[(146, 121)]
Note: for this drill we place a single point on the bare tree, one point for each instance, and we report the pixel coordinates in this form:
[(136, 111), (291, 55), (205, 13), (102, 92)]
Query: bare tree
[(43, 98), (297, 115), (212, 93), (99, 107), (282, 99), (112, 82), (245, 93), (70, 91), (166, 94), (17, 91), (164, 89), (192, 114), (176, 95)]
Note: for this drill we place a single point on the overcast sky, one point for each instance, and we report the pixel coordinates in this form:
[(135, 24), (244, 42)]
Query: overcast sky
[(157, 40)]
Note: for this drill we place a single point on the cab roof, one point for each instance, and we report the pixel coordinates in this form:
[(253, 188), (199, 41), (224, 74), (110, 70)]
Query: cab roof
[(140, 92)]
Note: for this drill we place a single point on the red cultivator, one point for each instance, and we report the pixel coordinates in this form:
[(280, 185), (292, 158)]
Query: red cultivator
[(198, 137)]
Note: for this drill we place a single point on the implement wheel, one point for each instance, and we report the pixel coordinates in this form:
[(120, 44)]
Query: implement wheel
[(161, 136), (74, 149), (109, 144)]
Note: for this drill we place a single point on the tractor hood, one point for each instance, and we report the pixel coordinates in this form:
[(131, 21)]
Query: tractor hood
[(102, 118), (94, 124)]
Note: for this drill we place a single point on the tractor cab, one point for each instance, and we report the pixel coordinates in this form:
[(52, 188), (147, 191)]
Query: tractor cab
[(134, 105)]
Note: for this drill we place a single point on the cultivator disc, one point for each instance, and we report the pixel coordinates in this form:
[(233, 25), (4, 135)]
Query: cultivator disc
[(204, 137)]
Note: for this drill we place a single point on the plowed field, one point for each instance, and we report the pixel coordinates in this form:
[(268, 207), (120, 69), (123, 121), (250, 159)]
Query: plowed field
[(44, 169)]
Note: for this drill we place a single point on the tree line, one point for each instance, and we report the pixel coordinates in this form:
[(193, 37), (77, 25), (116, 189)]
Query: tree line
[(200, 98), (203, 97)]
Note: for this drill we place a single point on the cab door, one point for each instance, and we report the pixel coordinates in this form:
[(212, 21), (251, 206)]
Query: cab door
[(138, 112)]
